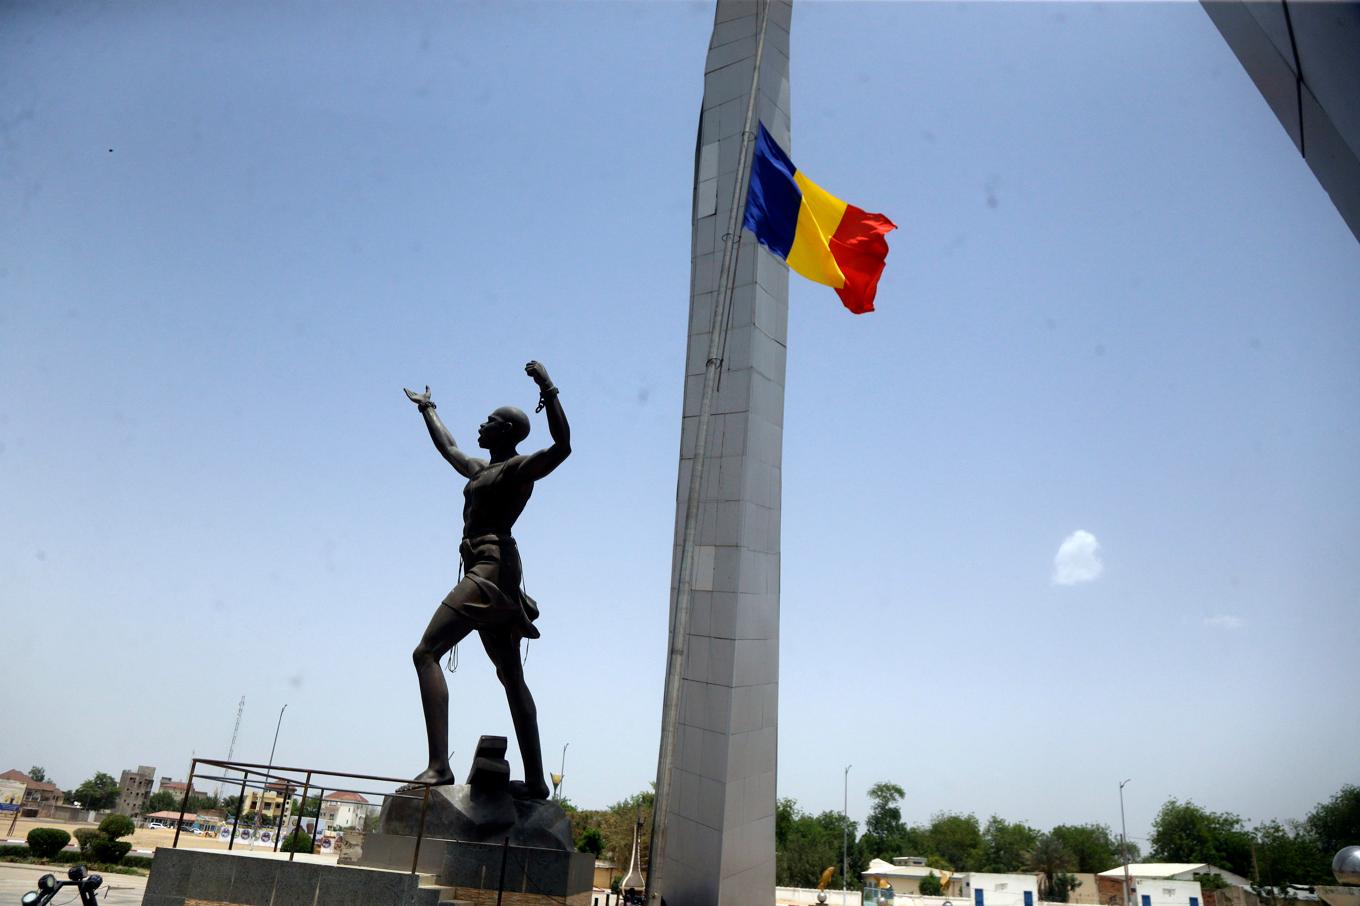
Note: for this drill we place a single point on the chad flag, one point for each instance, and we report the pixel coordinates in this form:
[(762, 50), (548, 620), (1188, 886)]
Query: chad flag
[(820, 236)]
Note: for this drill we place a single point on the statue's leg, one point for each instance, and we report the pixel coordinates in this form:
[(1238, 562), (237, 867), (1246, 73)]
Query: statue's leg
[(503, 649), (447, 628)]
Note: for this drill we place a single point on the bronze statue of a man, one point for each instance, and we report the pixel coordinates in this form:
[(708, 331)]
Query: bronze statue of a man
[(489, 599)]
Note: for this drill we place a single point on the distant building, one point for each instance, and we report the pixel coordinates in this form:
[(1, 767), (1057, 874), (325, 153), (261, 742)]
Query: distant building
[(134, 789), (274, 798), (985, 889), (904, 875), (344, 810), (175, 787), (40, 798), (1162, 883)]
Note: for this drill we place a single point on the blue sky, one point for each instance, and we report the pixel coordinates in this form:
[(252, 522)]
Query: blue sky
[(1118, 303)]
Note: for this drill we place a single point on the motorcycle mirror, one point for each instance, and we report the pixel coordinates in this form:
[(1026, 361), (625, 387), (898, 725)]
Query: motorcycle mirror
[(30, 898), (47, 882)]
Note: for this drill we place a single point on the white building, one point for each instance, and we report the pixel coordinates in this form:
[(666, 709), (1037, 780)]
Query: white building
[(983, 889), (1164, 883), (344, 810), (1174, 871)]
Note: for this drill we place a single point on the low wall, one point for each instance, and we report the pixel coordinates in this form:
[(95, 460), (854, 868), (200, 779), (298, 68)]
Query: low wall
[(807, 896), (188, 877)]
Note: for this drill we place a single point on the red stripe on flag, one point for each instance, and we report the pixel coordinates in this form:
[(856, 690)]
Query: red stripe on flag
[(861, 250)]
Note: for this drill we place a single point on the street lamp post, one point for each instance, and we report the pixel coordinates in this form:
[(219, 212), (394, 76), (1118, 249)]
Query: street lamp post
[(267, 773), (845, 837), (562, 771), (1124, 841)]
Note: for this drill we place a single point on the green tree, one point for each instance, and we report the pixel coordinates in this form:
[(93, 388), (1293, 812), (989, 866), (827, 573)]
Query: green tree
[(308, 808), (615, 826), (163, 801), (99, 792), (1006, 846), (884, 833), (931, 886), (38, 773), (115, 826), (1050, 858), (1336, 822), (1184, 832), (296, 842), (956, 839), (1093, 846), (46, 842), (591, 842), (806, 845), (1289, 854), (1062, 886)]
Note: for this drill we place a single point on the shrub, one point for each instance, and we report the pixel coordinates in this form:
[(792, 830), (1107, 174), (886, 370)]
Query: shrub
[(592, 841), (110, 851), (85, 836), (46, 842), (296, 842), (115, 826), (931, 886)]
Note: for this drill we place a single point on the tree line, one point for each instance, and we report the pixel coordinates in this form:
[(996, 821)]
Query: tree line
[(1271, 854)]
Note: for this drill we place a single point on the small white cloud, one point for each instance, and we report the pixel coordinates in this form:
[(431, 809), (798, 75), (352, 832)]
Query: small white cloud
[(1078, 559), (1223, 621)]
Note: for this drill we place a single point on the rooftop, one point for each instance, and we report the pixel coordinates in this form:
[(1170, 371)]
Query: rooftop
[(28, 781), (1156, 870)]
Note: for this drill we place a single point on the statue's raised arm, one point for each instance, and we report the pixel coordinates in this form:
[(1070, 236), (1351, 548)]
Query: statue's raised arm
[(537, 465), (443, 440)]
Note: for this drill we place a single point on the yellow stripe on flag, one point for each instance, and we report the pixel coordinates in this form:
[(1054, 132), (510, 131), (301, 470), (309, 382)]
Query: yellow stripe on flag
[(818, 217)]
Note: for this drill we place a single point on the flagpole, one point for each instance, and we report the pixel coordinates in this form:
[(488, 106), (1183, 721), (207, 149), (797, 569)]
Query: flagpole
[(680, 618)]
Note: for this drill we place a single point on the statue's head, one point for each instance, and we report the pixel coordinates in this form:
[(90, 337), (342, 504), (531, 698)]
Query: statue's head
[(505, 427)]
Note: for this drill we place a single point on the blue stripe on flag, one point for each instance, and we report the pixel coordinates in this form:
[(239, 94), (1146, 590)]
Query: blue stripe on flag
[(774, 198)]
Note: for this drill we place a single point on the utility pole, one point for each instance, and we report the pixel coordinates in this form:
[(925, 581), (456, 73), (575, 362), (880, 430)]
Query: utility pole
[(268, 772), (845, 838), (562, 771), (1124, 841)]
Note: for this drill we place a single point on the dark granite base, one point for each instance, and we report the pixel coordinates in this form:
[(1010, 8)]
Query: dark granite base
[(483, 810), (180, 876), (468, 867), (465, 812)]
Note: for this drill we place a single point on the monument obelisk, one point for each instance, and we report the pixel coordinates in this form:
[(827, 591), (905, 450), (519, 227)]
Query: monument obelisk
[(713, 836)]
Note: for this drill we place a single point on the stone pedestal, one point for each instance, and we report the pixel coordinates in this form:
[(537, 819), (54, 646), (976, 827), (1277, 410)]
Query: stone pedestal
[(471, 872), (479, 811), (478, 838), (196, 877)]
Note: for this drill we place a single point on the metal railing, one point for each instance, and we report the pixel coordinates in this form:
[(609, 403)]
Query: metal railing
[(274, 777)]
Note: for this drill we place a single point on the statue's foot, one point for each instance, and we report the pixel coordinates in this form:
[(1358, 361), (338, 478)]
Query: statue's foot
[(521, 790), (431, 776)]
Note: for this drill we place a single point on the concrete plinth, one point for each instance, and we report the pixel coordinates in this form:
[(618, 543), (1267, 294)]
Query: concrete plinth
[(471, 872), (195, 877)]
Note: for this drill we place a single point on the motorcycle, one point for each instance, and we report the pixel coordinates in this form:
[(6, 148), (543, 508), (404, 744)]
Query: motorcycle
[(48, 885)]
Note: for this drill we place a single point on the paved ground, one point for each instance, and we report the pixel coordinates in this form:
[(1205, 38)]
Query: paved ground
[(17, 880)]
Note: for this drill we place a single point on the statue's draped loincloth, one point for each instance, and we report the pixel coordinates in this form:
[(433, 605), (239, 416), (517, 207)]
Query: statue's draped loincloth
[(495, 600)]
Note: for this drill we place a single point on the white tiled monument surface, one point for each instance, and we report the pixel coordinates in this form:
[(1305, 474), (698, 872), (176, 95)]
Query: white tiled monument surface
[(720, 823)]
